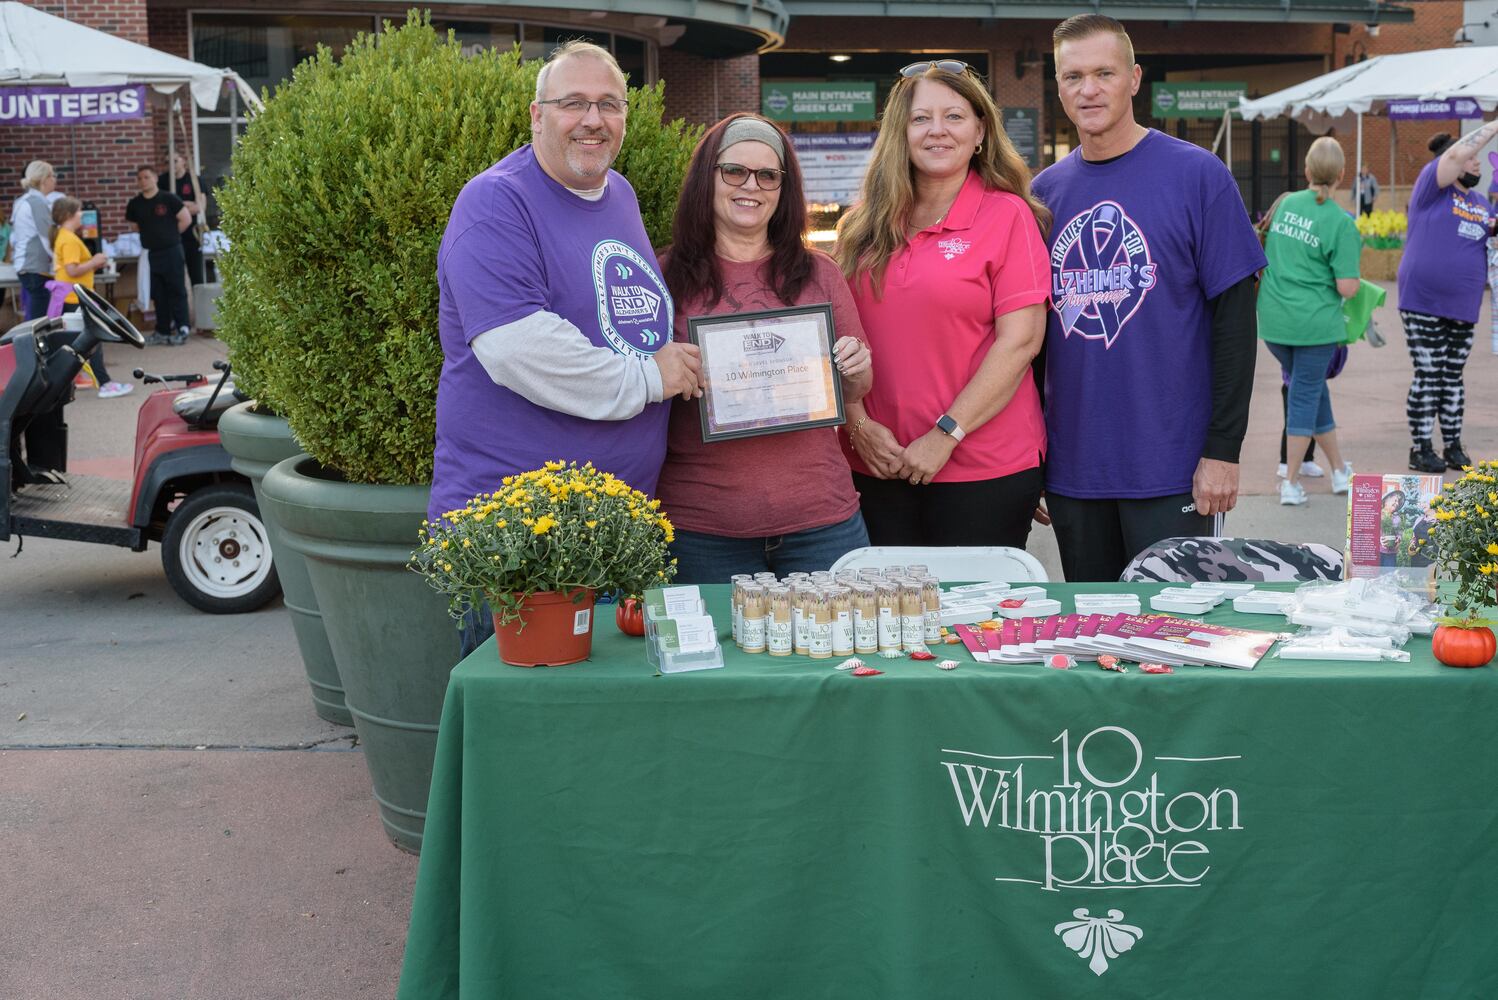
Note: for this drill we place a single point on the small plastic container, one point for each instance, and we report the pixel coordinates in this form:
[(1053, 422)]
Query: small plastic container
[(779, 625), (887, 606)]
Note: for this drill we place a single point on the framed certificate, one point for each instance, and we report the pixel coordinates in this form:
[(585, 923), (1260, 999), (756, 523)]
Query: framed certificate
[(767, 372)]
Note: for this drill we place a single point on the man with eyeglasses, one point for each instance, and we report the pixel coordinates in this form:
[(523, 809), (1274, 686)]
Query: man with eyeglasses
[(554, 320), (1150, 341)]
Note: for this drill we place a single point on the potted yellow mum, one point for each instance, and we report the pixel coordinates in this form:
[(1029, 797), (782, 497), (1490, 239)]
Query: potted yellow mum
[(1383, 235), (539, 550)]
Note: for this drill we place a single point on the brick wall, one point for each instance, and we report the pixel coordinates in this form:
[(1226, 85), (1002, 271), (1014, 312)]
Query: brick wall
[(93, 162), (703, 91)]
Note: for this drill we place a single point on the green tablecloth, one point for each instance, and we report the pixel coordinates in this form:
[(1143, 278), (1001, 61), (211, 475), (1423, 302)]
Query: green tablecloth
[(778, 829)]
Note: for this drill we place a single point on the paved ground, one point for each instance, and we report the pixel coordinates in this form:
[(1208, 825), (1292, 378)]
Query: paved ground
[(133, 864)]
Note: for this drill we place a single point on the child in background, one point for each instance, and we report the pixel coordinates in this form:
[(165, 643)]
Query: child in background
[(76, 266)]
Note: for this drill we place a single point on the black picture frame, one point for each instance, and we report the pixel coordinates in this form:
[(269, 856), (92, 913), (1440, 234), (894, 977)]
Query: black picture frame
[(761, 325)]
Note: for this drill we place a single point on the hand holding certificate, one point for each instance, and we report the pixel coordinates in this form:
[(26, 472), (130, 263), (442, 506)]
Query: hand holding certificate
[(768, 372)]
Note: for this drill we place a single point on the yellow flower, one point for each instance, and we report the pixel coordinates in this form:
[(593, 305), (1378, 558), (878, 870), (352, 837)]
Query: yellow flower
[(501, 523), (445, 543), (1487, 569), (1445, 515), (527, 521), (448, 567), (544, 524), (591, 524), (555, 466), (1493, 549)]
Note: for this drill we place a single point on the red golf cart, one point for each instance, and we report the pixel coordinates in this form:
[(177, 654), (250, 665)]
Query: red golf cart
[(183, 493)]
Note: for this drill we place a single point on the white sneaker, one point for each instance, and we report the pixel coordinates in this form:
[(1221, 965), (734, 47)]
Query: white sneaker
[(1281, 471), (1292, 494), (1312, 470), (109, 390), (1342, 478)]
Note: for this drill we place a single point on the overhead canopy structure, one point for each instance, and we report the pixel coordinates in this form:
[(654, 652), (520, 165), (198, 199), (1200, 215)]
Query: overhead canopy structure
[(1462, 79), (38, 49), (1458, 74)]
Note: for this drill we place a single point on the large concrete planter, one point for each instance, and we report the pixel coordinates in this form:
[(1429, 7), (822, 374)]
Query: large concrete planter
[(256, 441), (390, 632)]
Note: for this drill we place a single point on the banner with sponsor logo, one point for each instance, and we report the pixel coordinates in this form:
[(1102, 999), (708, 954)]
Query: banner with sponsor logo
[(1199, 99), (71, 105), (832, 166), (1460, 107)]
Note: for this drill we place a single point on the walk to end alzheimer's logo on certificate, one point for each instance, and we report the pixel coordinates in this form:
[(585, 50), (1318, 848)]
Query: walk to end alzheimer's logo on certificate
[(767, 372)]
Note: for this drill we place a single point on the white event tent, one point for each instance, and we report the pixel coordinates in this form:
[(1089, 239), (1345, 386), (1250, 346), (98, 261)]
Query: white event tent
[(1467, 77), (40, 49)]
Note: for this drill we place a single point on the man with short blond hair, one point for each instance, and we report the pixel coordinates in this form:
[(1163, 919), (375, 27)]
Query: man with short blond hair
[(1150, 342), (554, 319)]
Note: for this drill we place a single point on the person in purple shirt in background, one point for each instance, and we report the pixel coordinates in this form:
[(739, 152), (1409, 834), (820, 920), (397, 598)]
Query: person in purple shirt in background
[(1150, 342), (555, 322), (1441, 279)]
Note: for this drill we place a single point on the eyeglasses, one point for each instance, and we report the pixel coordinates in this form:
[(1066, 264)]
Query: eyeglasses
[(609, 107), (737, 175), (956, 66)]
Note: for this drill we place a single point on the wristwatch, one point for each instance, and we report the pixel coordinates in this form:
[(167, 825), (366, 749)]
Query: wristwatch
[(949, 427)]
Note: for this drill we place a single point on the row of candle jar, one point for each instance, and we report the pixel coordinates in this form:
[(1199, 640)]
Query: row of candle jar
[(821, 620)]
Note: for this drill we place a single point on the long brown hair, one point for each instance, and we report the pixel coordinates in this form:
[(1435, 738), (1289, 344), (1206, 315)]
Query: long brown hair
[(874, 229), (692, 270)]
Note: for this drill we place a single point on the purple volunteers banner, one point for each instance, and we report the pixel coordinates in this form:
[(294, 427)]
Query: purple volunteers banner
[(71, 105), (1460, 107)]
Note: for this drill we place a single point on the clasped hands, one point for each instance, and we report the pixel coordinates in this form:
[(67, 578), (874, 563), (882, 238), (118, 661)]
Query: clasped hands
[(917, 463)]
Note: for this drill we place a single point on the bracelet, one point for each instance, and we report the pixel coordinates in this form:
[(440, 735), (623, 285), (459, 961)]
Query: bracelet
[(856, 427)]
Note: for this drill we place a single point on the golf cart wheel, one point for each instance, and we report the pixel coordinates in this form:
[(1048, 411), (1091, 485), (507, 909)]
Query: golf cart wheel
[(216, 551)]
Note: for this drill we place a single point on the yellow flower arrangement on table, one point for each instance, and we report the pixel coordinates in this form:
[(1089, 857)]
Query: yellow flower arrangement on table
[(1465, 537), (1383, 230), (562, 527)]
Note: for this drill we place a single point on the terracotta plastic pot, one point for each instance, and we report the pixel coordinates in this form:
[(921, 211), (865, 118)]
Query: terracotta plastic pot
[(555, 628)]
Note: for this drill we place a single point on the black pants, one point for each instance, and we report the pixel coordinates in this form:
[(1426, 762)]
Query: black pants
[(168, 289), (985, 512), (192, 253), (1097, 538), (1285, 409)]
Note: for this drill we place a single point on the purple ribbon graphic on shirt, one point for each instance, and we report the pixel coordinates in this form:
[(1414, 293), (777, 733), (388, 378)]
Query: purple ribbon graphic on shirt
[(1101, 273)]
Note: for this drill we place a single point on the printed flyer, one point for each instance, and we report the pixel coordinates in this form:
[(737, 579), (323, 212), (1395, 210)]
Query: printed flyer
[(1388, 522)]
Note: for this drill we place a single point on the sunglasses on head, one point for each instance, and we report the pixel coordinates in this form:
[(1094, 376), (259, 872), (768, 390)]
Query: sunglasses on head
[(956, 66), (737, 175)]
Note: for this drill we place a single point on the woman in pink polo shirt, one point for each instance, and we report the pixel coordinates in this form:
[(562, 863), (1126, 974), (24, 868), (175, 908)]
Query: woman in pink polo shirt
[(782, 502), (947, 261)]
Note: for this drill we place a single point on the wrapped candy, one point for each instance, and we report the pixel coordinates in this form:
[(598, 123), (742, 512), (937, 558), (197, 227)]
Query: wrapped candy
[(865, 671)]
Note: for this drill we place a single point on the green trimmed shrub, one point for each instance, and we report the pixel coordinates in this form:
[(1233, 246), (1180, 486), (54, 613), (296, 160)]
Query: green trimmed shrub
[(340, 193)]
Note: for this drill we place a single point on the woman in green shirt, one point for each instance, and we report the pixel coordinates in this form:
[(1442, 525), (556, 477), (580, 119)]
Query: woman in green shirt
[(1313, 249)]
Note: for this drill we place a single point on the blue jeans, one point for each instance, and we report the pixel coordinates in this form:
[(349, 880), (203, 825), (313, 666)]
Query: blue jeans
[(702, 558), (1309, 409)]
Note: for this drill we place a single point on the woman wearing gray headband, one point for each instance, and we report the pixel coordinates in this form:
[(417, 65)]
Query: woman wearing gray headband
[(783, 502)]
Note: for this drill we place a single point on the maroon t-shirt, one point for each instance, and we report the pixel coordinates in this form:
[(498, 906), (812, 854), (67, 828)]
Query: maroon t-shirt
[(775, 484)]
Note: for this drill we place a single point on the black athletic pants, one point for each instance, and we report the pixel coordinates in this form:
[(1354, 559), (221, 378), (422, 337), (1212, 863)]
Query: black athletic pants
[(986, 512), (1098, 538)]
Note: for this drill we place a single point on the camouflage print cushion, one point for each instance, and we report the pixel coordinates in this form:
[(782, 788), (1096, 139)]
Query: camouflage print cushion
[(1182, 560)]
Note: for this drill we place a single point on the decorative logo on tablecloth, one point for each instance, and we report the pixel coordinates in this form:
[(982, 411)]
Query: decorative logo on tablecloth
[(1098, 939), (1101, 271), (1095, 814)]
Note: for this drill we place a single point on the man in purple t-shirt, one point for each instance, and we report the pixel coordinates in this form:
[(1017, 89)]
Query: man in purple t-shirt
[(1150, 342), (555, 323)]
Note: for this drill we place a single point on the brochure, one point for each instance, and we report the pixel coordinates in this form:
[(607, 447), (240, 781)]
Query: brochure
[(1388, 521), (1182, 640)]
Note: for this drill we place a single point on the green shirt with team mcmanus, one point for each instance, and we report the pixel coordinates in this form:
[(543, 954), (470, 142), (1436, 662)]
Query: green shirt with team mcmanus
[(1309, 246)]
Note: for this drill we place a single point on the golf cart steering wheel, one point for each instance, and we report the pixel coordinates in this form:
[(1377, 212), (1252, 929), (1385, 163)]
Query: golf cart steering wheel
[(101, 311)]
